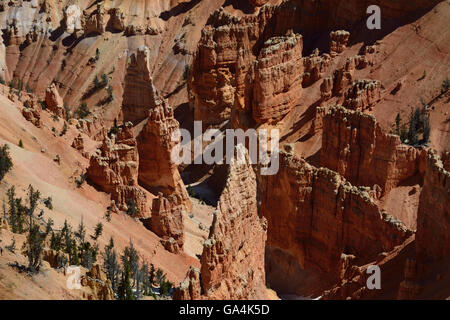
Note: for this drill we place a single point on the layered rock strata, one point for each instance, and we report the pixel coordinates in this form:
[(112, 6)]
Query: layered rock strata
[(115, 171), (232, 263), (328, 219), (354, 145), (157, 171)]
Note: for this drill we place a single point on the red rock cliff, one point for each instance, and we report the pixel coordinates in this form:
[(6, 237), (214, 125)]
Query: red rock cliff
[(315, 217), (354, 145), (115, 170)]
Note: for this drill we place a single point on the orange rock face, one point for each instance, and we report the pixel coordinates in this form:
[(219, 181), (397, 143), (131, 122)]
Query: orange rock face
[(328, 219), (140, 94), (278, 78), (32, 115), (167, 222), (354, 145), (232, 263), (157, 171), (115, 171), (54, 101), (78, 143), (338, 41), (362, 95)]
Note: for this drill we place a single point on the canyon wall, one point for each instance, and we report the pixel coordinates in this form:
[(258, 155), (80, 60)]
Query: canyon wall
[(232, 263), (354, 145), (157, 172), (239, 57), (115, 170), (433, 217), (316, 220)]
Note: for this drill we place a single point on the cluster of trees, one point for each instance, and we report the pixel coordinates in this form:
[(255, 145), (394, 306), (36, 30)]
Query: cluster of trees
[(132, 209), (416, 131), (130, 278), (82, 111), (74, 245), (22, 219), (75, 248)]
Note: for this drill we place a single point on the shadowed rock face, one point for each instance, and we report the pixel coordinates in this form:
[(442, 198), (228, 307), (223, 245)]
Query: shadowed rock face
[(315, 218), (433, 217), (139, 92), (354, 145)]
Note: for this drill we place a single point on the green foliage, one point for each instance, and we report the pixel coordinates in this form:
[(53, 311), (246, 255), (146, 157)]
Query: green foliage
[(97, 54), (79, 182), (132, 210), (48, 202), (125, 290), (16, 212), (81, 232), (35, 238), (105, 80), (111, 265), (64, 130), (108, 214), (5, 161), (21, 143), (49, 226), (98, 230), (445, 85), (43, 104), (12, 247), (67, 112), (416, 131), (186, 72), (165, 286), (82, 111)]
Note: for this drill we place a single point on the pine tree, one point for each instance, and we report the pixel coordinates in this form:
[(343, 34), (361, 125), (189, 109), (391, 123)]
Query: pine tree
[(111, 264), (35, 238), (5, 161), (98, 230), (398, 121), (81, 232), (125, 291)]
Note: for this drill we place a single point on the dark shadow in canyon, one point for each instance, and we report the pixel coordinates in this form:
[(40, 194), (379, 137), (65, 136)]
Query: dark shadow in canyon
[(179, 9), (243, 6)]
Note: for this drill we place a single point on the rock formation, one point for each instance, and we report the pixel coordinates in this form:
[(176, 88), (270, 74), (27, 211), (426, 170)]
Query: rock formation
[(433, 217), (362, 95), (54, 102), (328, 219), (32, 114), (157, 171), (338, 41), (116, 21), (315, 66), (354, 145), (232, 263), (139, 93), (167, 222), (115, 171), (94, 22), (278, 78), (190, 288), (100, 286), (78, 143)]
